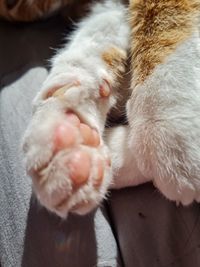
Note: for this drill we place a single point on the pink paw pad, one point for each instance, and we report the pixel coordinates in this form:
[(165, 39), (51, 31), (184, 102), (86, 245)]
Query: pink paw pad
[(71, 134), (104, 89)]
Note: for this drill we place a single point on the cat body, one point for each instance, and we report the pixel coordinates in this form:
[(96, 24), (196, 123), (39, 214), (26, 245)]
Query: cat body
[(72, 158)]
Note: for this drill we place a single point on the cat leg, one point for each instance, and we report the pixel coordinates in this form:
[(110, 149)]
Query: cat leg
[(124, 164), (64, 150), (164, 108)]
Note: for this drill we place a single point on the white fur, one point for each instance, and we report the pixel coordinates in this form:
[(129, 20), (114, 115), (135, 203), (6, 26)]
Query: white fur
[(164, 117), (80, 60), (125, 169)]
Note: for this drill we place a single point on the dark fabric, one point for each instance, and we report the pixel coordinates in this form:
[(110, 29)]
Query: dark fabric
[(24, 46), (154, 232)]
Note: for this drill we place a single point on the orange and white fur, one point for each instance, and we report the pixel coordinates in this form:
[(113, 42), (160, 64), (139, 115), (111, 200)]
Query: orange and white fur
[(72, 158)]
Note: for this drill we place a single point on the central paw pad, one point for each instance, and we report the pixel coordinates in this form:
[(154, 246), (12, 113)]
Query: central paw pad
[(68, 136)]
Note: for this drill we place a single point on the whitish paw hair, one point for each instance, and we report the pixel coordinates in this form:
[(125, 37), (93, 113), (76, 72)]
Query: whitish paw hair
[(65, 154), (64, 150)]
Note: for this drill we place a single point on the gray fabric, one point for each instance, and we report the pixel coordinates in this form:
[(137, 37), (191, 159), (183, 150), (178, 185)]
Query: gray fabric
[(29, 235)]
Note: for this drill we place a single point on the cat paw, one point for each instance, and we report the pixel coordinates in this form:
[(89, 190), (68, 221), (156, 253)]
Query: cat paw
[(65, 154)]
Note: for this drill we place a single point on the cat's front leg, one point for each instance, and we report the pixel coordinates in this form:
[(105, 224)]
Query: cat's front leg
[(164, 108), (65, 153)]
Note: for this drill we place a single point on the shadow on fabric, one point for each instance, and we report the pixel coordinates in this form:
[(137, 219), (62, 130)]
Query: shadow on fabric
[(27, 45), (51, 242)]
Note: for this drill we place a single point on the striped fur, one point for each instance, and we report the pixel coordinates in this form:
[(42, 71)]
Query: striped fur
[(158, 27), (30, 10)]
